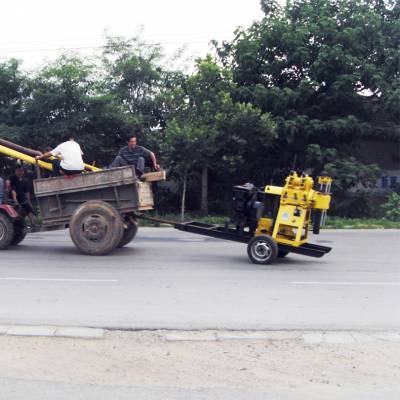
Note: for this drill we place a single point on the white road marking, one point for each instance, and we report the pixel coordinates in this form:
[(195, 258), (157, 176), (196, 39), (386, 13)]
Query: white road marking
[(57, 280), (349, 283)]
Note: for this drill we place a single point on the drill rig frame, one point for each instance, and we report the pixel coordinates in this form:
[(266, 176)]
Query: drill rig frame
[(274, 221)]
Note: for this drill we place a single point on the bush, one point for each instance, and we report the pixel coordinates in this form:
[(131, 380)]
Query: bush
[(356, 205), (392, 207)]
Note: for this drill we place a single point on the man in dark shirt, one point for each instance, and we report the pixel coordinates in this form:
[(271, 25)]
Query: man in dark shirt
[(132, 154), (20, 193)]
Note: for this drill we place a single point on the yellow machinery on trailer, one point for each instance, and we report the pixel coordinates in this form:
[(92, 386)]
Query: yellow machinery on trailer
[(297, 200), (274, 221)]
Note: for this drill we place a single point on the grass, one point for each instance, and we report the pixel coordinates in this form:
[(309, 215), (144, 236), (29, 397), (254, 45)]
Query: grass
[(361, 223), (331, 222)]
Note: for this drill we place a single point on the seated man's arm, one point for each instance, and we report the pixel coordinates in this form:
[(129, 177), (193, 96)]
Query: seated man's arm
[(44, 155), (154, 161), (55, 152)]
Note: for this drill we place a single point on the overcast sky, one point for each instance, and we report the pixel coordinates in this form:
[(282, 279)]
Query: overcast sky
[(35, 30)]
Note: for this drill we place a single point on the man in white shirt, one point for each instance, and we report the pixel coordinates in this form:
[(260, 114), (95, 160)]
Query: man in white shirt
[(68, 158)]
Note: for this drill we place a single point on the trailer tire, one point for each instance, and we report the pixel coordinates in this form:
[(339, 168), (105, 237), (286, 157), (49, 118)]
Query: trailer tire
[(6, 231), (129, 233), (20, 232), (96, 228), (262, 249), (282, 254)]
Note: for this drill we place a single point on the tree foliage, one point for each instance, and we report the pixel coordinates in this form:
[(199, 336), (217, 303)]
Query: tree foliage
[(301, 88), (326, 70), (392, 207), (206, 129)]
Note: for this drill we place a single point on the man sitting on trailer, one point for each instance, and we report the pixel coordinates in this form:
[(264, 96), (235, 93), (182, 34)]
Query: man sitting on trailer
[(68, 157), (20, 194), (132, 154)]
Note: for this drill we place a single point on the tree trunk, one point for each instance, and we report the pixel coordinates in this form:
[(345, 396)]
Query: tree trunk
[(204, 190), (183, 198)]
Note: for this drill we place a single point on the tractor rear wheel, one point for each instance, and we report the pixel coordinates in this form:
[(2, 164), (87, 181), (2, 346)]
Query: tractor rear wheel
[(129, 233), (20, 232), (96, 228), (262, 249), (6, 231)]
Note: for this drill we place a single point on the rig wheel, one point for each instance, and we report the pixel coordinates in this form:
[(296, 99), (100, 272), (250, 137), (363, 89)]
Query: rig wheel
[(96, 228), (282, 253), (6, 231), (262, 249)]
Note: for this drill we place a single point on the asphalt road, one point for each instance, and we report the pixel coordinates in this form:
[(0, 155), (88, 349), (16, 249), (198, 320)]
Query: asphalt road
[(174, 280)]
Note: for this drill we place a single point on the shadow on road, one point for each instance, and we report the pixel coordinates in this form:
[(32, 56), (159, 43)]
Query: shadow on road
[(68, 250)]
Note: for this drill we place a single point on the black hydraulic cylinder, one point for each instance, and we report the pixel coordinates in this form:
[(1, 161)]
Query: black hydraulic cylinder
[(317, 221)]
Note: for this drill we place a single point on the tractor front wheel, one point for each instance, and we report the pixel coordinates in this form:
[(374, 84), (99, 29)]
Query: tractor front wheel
[(262, 249), (6, 231)]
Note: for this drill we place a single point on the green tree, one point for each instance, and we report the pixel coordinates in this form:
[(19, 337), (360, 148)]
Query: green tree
[(392, 207), (206, 129), (132, 78), (14, 90), (59, 102), (326, 70)]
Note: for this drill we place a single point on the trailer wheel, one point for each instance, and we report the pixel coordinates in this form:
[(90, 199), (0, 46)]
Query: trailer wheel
[(20, 232), (96, 228), (129, 233), (262, 249), (6, 231)]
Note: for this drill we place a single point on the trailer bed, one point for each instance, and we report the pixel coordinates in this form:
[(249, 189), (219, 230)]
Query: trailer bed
[(59, 197)]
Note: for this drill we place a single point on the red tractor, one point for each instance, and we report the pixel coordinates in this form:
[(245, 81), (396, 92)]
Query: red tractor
[(12, 227)]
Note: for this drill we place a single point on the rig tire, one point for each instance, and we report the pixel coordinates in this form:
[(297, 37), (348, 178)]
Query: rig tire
[(262, 249)]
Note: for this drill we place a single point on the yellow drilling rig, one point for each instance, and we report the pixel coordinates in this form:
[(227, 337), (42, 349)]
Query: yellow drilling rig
[(274, 220)]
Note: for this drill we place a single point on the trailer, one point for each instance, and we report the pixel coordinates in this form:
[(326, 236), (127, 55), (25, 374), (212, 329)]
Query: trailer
[(98, 208), (274, 220)]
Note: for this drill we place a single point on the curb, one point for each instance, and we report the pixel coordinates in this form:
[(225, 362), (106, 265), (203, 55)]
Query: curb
[(308, 338), (305, 337), (51, 331)]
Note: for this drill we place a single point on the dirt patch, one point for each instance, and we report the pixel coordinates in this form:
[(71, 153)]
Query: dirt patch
[(146, 358)]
